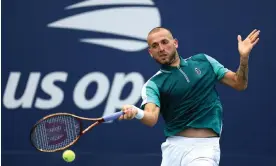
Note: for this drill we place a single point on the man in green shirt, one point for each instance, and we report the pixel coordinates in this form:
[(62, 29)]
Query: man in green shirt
[(183, 92)]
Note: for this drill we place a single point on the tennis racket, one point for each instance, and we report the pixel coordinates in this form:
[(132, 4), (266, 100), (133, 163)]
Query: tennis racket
[(59, 131)]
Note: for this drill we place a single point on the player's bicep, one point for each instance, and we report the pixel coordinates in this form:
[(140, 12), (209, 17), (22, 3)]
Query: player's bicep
[(152, 108), (229, 79)]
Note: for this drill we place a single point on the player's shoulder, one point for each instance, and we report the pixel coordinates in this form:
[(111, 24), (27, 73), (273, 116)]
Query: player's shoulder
[(155, 79), (197, 57), (157, 76)]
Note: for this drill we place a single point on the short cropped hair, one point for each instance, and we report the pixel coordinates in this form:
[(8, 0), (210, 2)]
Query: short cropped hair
[(156, 29)]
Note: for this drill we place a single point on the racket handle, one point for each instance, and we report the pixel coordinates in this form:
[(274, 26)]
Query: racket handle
[(113, 116)]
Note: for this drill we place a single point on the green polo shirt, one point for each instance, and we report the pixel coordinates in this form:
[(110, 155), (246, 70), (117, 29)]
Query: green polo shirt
[(186, 94)]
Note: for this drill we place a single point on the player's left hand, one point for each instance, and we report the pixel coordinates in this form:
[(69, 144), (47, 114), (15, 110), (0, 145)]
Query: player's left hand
[(245, 46)]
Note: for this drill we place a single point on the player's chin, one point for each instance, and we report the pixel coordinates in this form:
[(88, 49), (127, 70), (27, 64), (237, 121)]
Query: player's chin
[(165, 62), (162, 61)]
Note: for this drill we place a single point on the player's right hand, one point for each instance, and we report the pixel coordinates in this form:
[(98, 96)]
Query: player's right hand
[(129, 112)]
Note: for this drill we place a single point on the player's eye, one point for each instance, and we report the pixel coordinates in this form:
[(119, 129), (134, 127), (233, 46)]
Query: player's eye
[(154, 46), (165, 41)]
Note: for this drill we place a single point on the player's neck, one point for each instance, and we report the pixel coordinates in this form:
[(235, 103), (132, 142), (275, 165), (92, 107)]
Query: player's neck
[(176, 61)]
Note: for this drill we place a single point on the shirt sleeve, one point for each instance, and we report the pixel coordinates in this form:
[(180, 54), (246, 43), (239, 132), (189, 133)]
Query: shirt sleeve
[(218, 68), (150, 94)]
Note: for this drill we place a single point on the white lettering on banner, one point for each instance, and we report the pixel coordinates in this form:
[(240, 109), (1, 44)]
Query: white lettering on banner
[(80, 89), (57, 94), (27, 98)]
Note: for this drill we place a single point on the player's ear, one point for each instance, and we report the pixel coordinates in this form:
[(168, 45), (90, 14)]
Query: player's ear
[(150, 52), (175, 43)]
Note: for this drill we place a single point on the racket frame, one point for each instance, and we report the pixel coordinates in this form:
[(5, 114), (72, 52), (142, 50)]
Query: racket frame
[(97, 122)]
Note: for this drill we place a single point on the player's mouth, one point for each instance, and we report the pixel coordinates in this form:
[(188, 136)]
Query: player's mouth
[(163, 55)]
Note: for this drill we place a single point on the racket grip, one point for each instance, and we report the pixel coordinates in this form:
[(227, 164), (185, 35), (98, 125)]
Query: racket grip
[(113, 116)]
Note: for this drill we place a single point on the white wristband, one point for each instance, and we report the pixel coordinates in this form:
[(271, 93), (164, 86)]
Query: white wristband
[(140, 113)]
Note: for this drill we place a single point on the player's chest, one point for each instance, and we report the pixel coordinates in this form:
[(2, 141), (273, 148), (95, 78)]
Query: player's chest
[(184, 80)]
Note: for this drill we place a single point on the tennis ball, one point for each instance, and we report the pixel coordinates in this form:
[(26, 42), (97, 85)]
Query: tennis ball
[(68, 155)]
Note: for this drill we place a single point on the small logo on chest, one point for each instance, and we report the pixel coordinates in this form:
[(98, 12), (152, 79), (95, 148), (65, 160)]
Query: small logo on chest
[(198, 72)]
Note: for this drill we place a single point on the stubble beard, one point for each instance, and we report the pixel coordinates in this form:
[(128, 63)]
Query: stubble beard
[(172, 59)]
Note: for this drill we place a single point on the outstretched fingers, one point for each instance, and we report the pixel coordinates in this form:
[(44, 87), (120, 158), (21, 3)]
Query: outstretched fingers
[(254, 36)]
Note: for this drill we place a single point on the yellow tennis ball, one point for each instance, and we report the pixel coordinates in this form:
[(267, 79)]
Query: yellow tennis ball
[(68, 155)]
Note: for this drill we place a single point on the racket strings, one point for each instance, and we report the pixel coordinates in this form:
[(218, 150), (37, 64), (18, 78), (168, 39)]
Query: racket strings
[(55, 132)]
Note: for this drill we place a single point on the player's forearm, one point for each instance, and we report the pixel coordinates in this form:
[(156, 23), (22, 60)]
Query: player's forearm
[(242, 74), (149, 119)]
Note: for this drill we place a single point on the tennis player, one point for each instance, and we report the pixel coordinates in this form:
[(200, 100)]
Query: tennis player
[(183, 92)]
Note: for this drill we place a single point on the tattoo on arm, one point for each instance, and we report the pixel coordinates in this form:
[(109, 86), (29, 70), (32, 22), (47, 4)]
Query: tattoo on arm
[(242, 72)]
